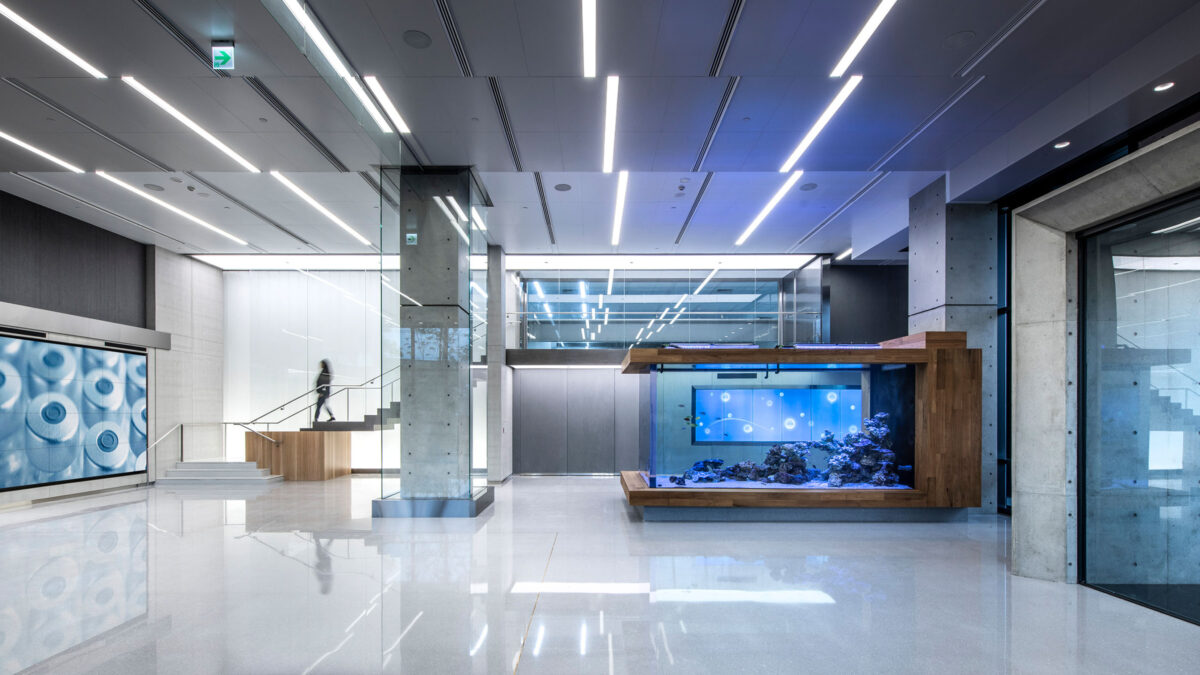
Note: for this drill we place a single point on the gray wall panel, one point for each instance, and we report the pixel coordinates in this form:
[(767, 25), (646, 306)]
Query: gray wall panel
[(867, 303), (628, 422), (542, 441), (590, 421), (51, 261)]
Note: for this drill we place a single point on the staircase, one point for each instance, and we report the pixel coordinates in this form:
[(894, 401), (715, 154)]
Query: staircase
[(222, 473), (384, 418)]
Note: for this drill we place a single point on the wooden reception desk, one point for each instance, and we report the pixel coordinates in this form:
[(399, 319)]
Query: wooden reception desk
[(301, 455)]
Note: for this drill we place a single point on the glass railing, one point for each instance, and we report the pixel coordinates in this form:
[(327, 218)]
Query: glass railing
[(615, 329)]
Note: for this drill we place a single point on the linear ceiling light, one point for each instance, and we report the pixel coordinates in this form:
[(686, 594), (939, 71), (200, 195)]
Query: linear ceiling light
[(51, 42), (705, 282), (41, 153), (398, 292), (619, 210), (546, 306), (766, 211), (335, 61), (366, 262), (475, 218), (386, 102), (319, 208), (538, 289), (173, 209), (589, 38), (479, 289), (678, 314), (845, 253), (189, 123), (830, 111), (582, 289), (864, 35), (611, 271), (1174, 228), (610, 121), (462, 215), (453, 221)]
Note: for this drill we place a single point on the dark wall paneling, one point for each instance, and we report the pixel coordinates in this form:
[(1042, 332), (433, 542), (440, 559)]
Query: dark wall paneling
[(867, 303), (55, 262)]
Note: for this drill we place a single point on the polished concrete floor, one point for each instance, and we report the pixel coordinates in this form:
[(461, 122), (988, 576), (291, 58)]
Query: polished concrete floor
[(558, 576)]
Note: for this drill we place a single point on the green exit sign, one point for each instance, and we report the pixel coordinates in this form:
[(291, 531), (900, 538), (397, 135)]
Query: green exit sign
[(222, 56)]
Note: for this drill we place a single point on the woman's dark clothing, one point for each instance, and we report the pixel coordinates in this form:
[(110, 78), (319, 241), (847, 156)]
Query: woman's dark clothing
[(324, 378)]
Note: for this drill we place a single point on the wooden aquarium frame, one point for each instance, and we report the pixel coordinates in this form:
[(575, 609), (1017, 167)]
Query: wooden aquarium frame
[(948, 418)]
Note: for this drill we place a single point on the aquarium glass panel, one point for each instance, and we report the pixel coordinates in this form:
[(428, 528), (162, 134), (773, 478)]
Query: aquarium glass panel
[(796, 426), (1141, 407)]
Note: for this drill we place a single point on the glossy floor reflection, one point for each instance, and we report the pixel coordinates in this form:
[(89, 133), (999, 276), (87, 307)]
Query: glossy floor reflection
[(558, 577)]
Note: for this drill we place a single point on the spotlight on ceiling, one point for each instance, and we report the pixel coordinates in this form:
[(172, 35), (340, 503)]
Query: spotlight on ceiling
[(1061, 144), (1160, 88)]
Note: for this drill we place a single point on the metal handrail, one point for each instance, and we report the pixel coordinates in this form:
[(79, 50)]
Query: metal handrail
[(164, 436), (256, 433), (257, 420)]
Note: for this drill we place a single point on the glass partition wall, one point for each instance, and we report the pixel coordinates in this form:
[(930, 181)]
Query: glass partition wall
[(621, 308), (1140, 402), (433, 335)]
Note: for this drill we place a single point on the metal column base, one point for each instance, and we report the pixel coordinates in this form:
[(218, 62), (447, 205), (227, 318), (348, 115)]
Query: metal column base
[(470, 507)]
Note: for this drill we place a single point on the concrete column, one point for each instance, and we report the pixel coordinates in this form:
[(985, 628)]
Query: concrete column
[(1044, 406), (952, 286), (435, 419), (499, 392)]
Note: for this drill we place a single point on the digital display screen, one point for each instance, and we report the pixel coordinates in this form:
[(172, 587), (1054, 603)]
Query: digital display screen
[(753, 415), (69, 413)]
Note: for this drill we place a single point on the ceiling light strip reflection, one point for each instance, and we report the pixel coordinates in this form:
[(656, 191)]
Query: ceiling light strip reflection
[(41, 153), (462, 215), (453, 221), (619, 210), (173, 209), (766, 211), (51, 42), (823, 120), (610, 121), (863, 36), (475, 218), (188, 122), (319, 208)]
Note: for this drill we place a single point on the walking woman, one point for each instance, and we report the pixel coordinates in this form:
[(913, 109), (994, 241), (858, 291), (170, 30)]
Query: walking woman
[(324, 379)]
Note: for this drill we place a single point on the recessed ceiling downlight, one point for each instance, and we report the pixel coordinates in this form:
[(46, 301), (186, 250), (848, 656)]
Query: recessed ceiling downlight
[(417, 39), (808, 187), (1061, 144), (152, 186), (562, 187), (1163, 86)]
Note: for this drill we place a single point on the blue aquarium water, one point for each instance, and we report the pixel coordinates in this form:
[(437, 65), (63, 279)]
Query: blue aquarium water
[(758, 415)]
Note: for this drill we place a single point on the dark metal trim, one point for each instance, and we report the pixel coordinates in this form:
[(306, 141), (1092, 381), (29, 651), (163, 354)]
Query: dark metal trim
[(370, 180), (695, 205), (56, 107), (180, 37), (841, 209), (999, 36), (278, 106), (731, 23), (926, 123), (537, 179), (252, 211), (502, 111), (722, 107), (456, 43)]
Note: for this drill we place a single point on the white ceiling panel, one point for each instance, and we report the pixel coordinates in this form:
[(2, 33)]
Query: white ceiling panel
[(515, 221), (346, 195), (371, 33)]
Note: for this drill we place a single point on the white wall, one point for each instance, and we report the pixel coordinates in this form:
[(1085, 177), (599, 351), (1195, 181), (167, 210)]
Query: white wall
[(279, 325), (186, 381)]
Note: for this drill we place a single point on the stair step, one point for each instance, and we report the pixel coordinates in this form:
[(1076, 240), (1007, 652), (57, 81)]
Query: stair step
[(215, 473), (214, 464), (217, 480)]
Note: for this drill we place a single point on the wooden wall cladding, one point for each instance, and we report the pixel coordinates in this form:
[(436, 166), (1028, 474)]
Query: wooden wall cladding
[(301, 455), (949, 419)]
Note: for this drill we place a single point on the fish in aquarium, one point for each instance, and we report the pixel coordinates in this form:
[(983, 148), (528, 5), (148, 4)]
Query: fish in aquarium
[(861, 458)]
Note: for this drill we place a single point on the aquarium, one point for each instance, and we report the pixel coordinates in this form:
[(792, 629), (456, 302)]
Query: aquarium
[(795, 426)]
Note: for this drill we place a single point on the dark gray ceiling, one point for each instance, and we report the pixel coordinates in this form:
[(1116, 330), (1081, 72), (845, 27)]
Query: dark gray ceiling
[(915, 116)]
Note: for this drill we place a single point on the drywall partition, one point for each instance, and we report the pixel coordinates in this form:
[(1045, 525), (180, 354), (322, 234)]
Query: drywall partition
[(1045, 333)]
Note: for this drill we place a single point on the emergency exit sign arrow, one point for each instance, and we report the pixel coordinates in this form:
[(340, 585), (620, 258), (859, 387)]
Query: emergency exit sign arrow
[(221, 58), (222, 55)]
